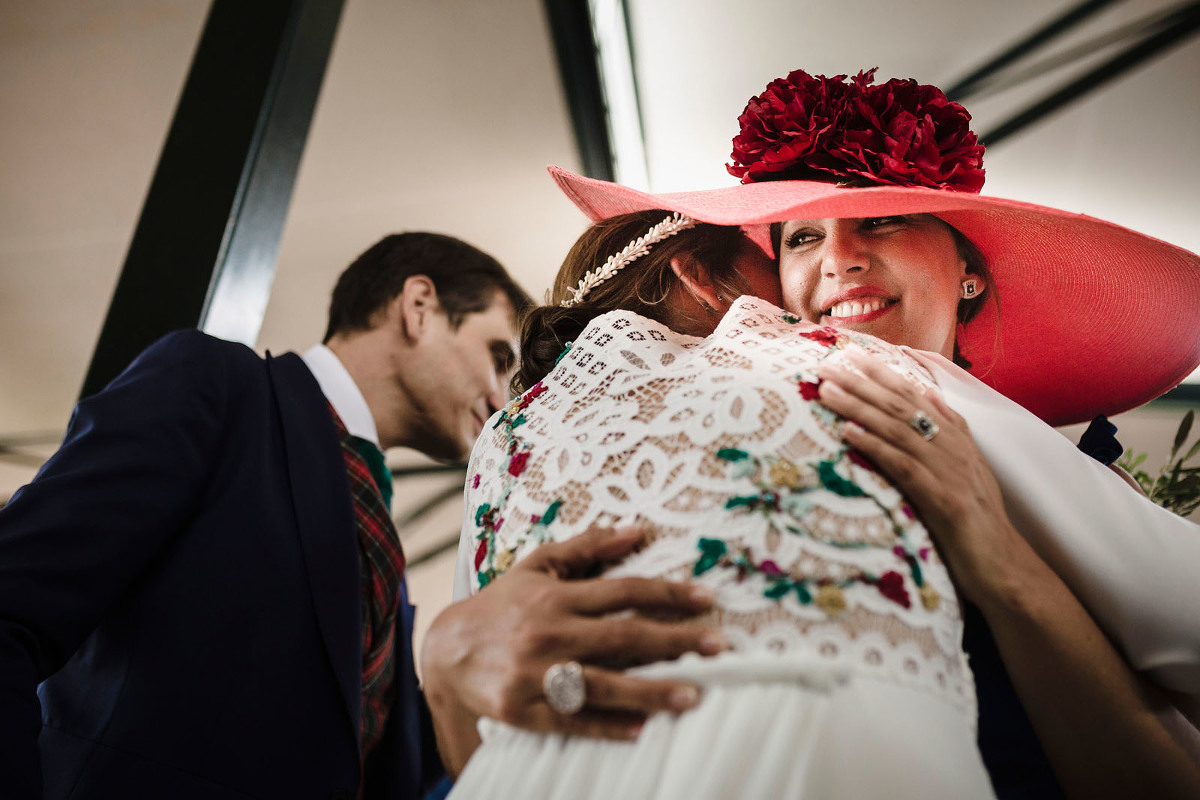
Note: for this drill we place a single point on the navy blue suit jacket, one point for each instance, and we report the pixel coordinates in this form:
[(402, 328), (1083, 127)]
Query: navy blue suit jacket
[(182, 579)]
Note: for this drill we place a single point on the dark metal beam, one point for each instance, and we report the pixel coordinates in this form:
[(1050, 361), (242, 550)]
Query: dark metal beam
[(452, 492), (1183, 393), (32, 438), (965, 87), (575, 46), (446, 545), (1178, 29), (427, 469), (204, 248), (12, 447), (13, 456)]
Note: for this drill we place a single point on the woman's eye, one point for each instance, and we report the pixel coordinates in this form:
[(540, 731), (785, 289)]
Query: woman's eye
[(799, 238), (875, 223)]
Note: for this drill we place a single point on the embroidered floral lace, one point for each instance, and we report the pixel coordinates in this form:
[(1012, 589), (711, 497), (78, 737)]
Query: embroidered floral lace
[(719, 449)]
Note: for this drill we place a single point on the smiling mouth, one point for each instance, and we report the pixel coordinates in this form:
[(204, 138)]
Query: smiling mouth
[(855, 309)]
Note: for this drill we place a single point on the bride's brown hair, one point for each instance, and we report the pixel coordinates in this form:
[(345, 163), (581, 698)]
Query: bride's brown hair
[(644, 287)]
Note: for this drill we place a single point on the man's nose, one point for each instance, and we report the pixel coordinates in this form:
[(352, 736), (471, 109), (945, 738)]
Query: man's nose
[(497, 397)]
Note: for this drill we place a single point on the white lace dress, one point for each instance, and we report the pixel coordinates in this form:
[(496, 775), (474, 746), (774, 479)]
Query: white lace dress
[(846, 677)]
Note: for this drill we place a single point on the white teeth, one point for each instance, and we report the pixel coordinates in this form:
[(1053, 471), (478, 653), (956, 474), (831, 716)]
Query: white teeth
[(853, 308)]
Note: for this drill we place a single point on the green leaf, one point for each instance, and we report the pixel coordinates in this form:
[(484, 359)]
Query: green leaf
[(705, 563), (802, 593), (732, 454), (836, 483), (485, 578), (1191, 453), (711, 551), (1189, 484), (483, 509), (847, 545), (746, 500), (778, 590), (551, 512), (1185, 427), (918, 578)]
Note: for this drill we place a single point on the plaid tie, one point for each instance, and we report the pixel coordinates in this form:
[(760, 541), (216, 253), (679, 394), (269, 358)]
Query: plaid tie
[(378, 466), (381, 562)]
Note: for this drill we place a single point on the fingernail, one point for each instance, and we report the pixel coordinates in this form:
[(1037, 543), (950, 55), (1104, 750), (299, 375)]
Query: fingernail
[(852, 428), (685, 697), (713, 642), (830, 389), (700, 594)]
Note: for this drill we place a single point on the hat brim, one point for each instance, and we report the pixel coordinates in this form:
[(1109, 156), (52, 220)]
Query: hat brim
[(1094, 318)]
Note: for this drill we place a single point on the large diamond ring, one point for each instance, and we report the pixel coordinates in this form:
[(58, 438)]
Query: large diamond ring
[(922, 424), (564, 687)]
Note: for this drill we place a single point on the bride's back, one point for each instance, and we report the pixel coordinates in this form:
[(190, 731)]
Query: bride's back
[(718, 448)]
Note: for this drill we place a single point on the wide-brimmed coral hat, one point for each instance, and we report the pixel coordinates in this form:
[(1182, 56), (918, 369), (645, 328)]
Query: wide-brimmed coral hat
[(1094, 318)]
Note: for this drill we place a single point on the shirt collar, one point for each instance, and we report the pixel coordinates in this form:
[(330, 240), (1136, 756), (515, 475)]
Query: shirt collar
[(341, 391)]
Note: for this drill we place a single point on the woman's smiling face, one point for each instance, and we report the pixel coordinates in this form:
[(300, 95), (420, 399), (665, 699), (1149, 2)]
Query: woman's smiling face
[(897, 278)]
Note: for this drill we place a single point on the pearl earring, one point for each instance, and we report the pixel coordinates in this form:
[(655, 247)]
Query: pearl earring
[(969, 288)]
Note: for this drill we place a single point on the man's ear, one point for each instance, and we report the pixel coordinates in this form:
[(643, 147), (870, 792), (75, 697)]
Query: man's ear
[(413, 309), (698, 281)]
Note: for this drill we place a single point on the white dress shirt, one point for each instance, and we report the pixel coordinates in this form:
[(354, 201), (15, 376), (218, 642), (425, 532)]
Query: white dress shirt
[(342, 392)]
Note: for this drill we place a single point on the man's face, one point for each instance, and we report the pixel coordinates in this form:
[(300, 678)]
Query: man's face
[(463, 378)]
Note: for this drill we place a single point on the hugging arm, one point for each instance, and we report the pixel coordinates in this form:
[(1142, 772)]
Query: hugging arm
[(1107, 731), (485, 656)]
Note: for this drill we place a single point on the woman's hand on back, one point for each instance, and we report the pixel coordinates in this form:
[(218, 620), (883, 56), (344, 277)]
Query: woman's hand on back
[(1107, 732), (944, 477)]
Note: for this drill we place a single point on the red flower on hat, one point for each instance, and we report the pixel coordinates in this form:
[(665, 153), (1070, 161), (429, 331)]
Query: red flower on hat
[(810, 390), (787, 123), (900, 132), (910, 134), (480, 553)]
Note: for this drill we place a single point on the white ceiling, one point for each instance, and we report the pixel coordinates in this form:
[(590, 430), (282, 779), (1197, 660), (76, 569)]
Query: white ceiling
[(1125, 153), (442, 114)]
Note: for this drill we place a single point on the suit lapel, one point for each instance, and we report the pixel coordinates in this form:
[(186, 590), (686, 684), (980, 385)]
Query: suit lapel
[(321, 499)]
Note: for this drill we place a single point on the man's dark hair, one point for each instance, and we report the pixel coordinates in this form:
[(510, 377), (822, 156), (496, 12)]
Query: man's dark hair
[(465, 277)]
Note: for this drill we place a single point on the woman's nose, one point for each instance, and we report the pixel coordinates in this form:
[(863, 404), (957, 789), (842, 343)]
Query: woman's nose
[(845, 253)]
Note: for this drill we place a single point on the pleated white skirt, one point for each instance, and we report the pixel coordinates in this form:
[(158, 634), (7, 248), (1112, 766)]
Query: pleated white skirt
[(767, 727)]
